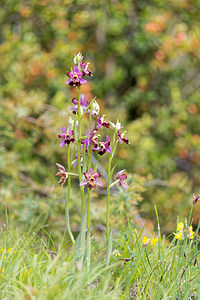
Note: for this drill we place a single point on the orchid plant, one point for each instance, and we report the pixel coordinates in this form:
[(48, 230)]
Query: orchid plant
[(84, 146)]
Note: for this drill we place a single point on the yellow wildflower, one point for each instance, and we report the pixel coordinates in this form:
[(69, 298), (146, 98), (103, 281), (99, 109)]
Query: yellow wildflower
[(145, 241), (180, 232), (190, 233), (154, 241), (180, 226), (10, 250), (178, 236), (116, 253)]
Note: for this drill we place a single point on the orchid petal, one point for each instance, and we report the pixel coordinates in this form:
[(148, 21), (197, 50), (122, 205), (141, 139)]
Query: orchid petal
[(84, 182), (123, 176), (82, 99), (99, 182), (124, 185), (91, 171), (120, 172), (64, 129), (75, 101), (96, 175), (62, 143), (75, 69), (68, 81), (107, 138), (82, 81), (109, 150), (74, 108), (61, 168)]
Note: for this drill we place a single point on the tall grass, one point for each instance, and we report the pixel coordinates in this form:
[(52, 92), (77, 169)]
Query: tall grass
[(31, 268)]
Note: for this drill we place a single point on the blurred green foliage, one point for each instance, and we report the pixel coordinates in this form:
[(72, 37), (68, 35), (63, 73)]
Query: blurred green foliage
[(145, 58)]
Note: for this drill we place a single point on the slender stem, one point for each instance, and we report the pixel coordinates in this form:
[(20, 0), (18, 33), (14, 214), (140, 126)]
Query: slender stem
[(79, 150), (88, 107), (89, 191), (109, 187), (67, 199), (108, 199), (114, 183), (88, 209)]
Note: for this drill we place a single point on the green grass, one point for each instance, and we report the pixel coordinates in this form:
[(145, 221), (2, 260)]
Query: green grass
[(166, 270)]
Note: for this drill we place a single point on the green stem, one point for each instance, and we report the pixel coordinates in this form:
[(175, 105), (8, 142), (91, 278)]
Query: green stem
[(88, 209), (89, 191), (79, 150), (88, 107), (108, 199), (67, 199), (114, 183)]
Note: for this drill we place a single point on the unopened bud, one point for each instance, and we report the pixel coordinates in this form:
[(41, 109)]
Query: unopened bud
[(77, 58), (116, 126), (95, 109)]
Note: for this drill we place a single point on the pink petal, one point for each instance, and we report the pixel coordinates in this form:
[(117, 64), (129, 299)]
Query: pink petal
[(68, 81), (82, 98), (84, 182), (120, 172), (64, 129), (124, 185), (61, 136), (82, 81), (75, 69), (109, 150), (96, 175), (99, 182), (74, 108), (87, 176), (62, 143), (123, 176), (70, 74), (61, 168), (91, 171)]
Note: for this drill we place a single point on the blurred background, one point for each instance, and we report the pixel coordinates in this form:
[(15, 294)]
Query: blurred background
[(145, 57)]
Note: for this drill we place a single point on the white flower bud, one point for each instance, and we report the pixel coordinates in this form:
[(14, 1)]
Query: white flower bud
[(112, 125), (77, 58), (116, 126), (95, 109), (71, 124)]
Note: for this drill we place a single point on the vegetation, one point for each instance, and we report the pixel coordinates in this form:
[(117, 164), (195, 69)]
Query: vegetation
[(145, 57), (145, 60), (31, 268)]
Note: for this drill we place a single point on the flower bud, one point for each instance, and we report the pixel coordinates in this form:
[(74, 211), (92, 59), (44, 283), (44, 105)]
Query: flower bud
[(77, 58), (95, 109), (116, 126)]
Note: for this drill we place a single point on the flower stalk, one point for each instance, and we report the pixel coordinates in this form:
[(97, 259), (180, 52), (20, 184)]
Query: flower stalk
[(67, 199), (108, 200), (79, 150), (88, 208), (85, 145)]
